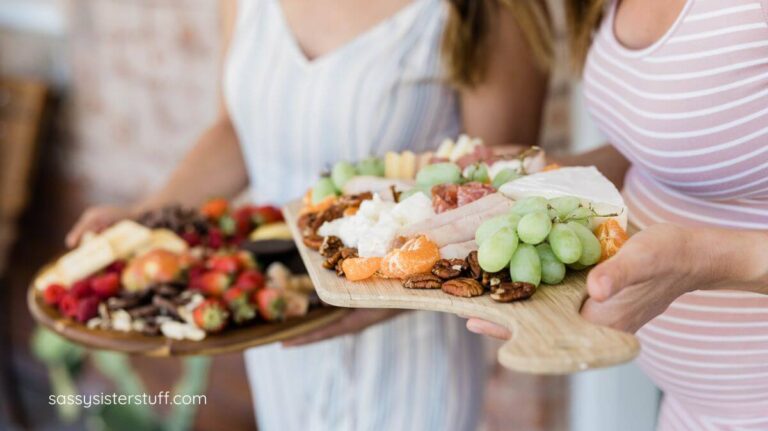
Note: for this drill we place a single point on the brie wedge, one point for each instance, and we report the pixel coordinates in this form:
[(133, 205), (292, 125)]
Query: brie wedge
[(583, 182)]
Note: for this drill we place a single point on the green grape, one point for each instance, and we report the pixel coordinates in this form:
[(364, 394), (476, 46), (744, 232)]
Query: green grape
[(534, 227), (565, 244), (480, 173), (341, 173), (439, 173), (563, 205), (490, 226), (590, 246), (529, 205), (494, 254), (580, 215), (525, 265), (373, 166), (552, 270), (576, 266), (323, 189), (504, 176)]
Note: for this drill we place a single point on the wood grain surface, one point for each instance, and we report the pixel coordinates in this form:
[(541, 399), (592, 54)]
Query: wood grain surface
[(231, 340), (549, 335)]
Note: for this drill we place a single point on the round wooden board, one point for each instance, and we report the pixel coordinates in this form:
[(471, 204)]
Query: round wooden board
[(229, 341)]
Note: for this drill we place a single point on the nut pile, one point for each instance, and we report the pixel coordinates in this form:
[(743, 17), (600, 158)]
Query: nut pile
[(310, 222), (334, 252), (465, 278)]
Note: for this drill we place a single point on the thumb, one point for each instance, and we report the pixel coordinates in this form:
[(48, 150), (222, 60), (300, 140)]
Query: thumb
[(613, 275)]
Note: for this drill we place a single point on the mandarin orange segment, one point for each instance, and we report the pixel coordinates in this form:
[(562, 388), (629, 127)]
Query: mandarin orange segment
[(360, 268), (417, 255), (320, 206), (611, 236), (550, 167)]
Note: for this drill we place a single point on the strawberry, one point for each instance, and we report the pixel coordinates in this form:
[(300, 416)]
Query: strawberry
[(215, 238), (87, 308), (243, 220), (267, 214), (271, 304), (210, 315), (68, 305), (82, 288), (238, 302), (191, 237), (213, 283), (53, 294), (106, 285), (227, 263), (215, 208), (117, 266), (250, 279)]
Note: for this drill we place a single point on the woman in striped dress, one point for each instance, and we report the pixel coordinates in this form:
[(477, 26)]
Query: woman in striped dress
[(680, 88), (311, 82)]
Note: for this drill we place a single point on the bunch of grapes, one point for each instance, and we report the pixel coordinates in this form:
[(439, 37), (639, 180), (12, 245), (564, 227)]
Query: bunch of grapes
[(538, 239)]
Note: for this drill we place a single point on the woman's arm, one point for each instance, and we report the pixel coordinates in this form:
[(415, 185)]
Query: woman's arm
[(507, 106), (213, 167)]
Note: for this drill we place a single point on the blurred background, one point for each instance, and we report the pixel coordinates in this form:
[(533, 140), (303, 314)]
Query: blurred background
[(98, 101)]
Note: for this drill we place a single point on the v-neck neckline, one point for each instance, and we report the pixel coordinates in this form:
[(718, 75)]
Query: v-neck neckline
[(301, 55)]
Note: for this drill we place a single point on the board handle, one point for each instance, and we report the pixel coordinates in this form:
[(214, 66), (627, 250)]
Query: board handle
[(556, 340)]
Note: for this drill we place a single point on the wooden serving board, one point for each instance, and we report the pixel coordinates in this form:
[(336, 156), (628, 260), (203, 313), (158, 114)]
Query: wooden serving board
[(229, 341), (549, 335)]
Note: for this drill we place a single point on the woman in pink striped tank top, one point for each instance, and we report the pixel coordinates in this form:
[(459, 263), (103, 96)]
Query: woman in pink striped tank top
[(680, 89)]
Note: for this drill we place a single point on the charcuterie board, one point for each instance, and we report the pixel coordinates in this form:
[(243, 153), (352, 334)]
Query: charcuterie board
[(549, 336), (230, 341)]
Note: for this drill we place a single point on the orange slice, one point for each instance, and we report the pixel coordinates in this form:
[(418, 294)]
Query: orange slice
[(611, 237), (417, 255), (360, 268)]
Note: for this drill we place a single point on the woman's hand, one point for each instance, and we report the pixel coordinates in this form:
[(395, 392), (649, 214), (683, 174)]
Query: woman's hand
[(95, 219), (355, 321), (664, 261), (659, 264)]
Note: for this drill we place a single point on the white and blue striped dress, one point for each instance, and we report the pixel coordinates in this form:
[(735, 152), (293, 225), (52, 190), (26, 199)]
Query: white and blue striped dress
[(295, 117)]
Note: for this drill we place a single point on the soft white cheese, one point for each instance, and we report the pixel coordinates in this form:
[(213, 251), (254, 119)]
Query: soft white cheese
[(584, 182), (373, 228)]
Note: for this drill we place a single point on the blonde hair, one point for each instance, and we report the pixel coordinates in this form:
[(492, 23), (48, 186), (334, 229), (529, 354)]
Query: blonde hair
[(465, 38)]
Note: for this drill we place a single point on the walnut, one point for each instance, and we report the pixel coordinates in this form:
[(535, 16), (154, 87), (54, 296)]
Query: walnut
[(331, 244), (447, 269), (305, 222), (512, 291), (464, 287), (333, 260), (473, 265), (422, 281)]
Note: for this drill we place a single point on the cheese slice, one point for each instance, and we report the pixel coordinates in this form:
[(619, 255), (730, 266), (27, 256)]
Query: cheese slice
[(583, 182), (126, 237), (85, 260)]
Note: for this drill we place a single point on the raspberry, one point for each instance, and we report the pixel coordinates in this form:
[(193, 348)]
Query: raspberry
[(106, 286), (117, 267), (87, 308), (53, 294), (82, 288), (68, 305)]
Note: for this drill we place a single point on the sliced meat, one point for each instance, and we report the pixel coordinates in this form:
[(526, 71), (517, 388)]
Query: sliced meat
[(471, 192), (444, 197), (458, 250), (460, 224)]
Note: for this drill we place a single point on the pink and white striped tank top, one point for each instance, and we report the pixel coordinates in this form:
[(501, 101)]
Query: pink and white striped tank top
[(691, 114)]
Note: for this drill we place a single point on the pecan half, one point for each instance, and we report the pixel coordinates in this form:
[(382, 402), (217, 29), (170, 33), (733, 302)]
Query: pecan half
[(464, 287), (348, 252), (473, 265), (422, 281), (447, 269), (331, 244), (492, 279), (512, 291), (313, 241), (305, 222)]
